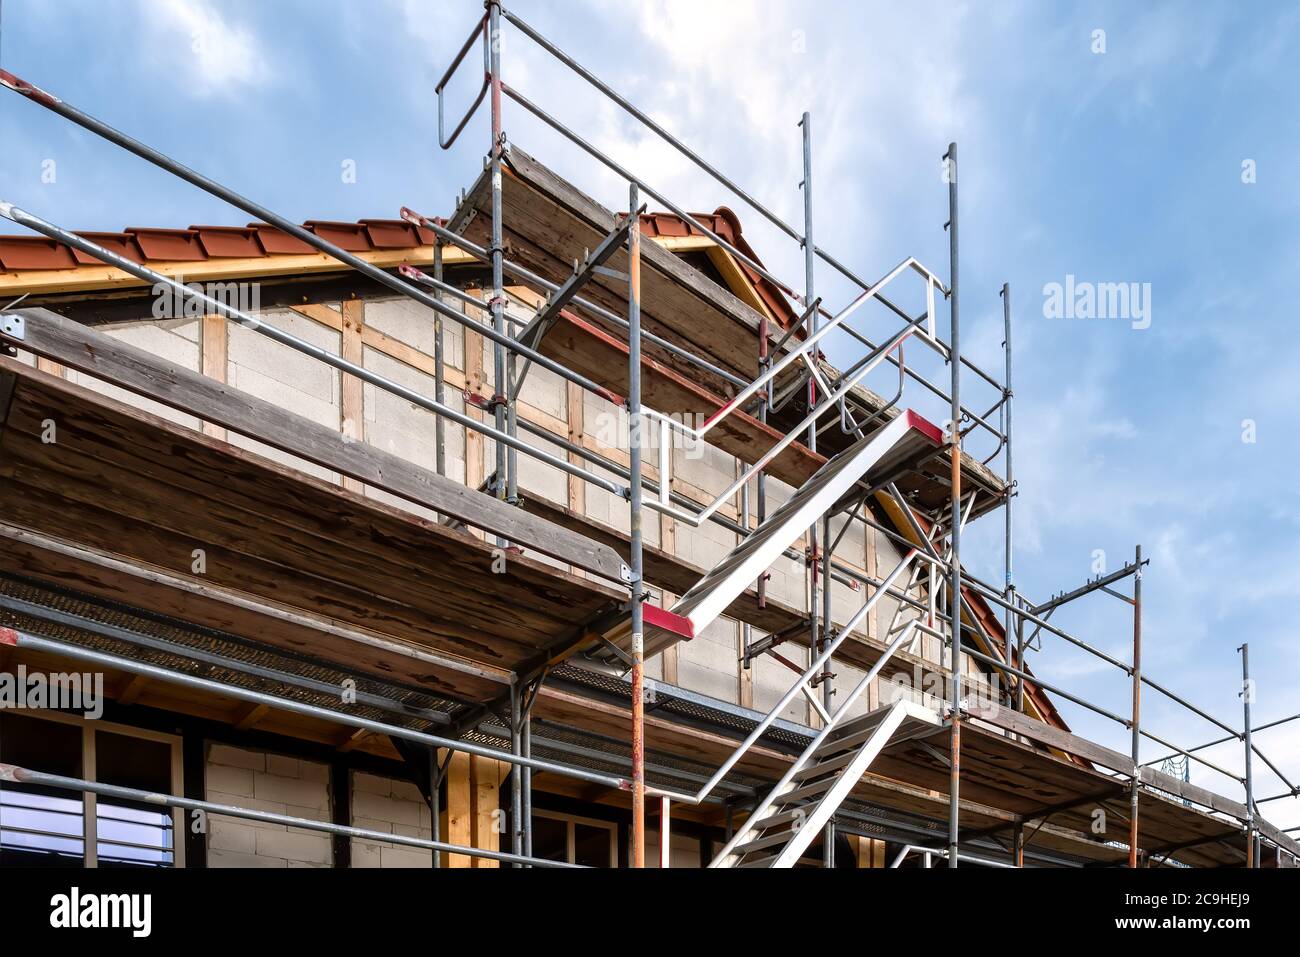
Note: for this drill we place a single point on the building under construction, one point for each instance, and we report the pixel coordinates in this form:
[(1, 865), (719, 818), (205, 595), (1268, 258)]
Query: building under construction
[(538, 534)]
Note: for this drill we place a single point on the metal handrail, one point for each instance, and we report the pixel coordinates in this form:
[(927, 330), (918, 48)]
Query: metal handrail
[(482, 28), (831, 722), (708, 168), (806, 350), (808, 674)]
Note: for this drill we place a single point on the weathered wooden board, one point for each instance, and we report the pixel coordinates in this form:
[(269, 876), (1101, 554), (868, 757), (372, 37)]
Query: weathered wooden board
[(604, 358), (1001, 772), (124, 481), (548, 224), (71, 344), (298, 631)]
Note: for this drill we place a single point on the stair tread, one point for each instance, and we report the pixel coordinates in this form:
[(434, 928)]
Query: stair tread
[(805, 791), (826, 766), (772, 820), (768, 840)]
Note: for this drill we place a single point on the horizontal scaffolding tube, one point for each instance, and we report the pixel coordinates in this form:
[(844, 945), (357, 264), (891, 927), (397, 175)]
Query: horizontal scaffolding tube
[(695, 158), (9, 772), (980, 656), (528, 275), (218, 307), (127, 636), (26, 639), (371, 271)]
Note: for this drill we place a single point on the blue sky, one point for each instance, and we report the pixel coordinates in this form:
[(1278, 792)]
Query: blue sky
[(1116, 166)]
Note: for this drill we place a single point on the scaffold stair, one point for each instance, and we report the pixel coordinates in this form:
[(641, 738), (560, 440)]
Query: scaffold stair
[(797, 810), (872, 461)]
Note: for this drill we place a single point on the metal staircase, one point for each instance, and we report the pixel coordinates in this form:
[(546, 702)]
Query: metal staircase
[(872, 461), (798, 808)]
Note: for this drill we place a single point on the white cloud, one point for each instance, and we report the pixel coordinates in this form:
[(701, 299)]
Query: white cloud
[(218, 58)]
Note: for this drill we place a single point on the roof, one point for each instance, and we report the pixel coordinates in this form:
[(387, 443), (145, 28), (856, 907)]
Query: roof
[(30, 253), (203, 243), (725, 224)]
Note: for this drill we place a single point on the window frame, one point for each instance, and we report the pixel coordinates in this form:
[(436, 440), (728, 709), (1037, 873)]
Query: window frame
[(89, 772), (570, 838)]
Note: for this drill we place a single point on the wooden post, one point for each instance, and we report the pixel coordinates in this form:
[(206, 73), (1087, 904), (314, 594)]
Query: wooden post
[(456, 822), (214, 346), (351, 389)]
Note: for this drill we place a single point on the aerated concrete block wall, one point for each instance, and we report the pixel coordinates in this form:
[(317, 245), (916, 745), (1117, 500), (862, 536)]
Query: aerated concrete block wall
[(396, 339)]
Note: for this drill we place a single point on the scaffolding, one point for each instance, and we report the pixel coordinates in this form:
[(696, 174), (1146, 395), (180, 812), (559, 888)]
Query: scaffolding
[(788, 414)]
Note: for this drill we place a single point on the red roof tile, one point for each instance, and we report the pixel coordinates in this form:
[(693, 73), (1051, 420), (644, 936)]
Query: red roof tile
[(170, 245), (228, 242), (199, 243), (34, 252), (279, 243)]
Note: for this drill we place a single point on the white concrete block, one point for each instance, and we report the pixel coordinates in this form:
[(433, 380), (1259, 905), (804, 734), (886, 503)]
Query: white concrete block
[(295, 845), (228, 780), (224, 859), (396, 811), (272, 787), (236, 757), (413, 324)]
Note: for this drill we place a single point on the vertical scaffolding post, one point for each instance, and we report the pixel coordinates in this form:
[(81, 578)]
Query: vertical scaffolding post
[(497, 303), (435, 803), (954, 597), (516, 773), (665, 834), (634, 549), (1009, 592), (1137, 712), (818, 577), (761, 489), (1252, 857), (809, 261), (828, 835), (439, 375), (528, 783)]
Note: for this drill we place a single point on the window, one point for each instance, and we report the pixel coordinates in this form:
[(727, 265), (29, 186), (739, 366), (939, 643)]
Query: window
[(574, 840), (41, 826), (132, 833), (53, 827)]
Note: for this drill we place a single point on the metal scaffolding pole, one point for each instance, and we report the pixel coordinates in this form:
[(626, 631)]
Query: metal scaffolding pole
[(818, 610), (18, 775), (954, 597), (35, 642), (263, 214), (1247, 693), (1010, 585), (516, 775), (528, 782), (635, 559), (497, 303), (1136, 722), (439, 372), (828, 690)]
